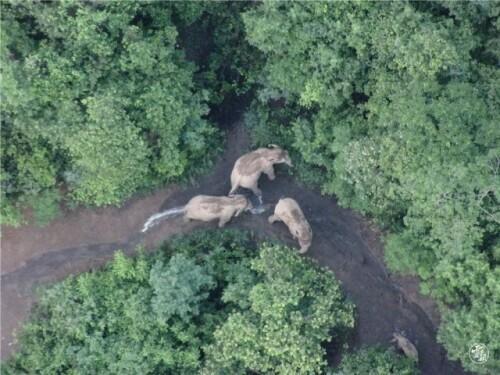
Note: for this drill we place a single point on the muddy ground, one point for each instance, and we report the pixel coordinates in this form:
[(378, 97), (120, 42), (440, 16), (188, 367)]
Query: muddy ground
[(344, 241)]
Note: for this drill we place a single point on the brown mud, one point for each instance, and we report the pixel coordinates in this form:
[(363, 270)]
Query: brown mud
[(343, 241)]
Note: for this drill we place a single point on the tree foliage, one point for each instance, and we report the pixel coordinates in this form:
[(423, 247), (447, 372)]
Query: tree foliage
[(291, 311), (393, 107), (179, 287), (375, 361), (99, 97), (232, 66), (173, 312)]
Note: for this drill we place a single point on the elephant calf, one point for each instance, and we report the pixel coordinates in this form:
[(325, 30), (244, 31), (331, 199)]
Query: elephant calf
[(208, 208), (249, 167), (288, 211)]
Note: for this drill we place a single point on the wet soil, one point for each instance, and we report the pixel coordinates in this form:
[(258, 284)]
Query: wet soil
[(343, 241)]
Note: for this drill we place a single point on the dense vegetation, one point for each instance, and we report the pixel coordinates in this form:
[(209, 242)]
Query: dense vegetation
[(104, 99), (208, 302), (97, 98), (393, 107), (375, 361)]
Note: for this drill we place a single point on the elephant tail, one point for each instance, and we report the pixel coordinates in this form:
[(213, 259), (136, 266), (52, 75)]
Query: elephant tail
[(234, 187)]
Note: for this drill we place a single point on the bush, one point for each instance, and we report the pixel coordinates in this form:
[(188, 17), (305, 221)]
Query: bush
[(9, 213), (45, 206)]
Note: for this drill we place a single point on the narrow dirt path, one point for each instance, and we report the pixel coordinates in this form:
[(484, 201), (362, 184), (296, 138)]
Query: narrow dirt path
[(343, 241)]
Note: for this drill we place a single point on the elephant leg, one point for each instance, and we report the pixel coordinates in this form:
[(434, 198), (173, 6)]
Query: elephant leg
[(224, 220), (260, 199), (257, 192), (304, 246), (303, 249), (270, 173), (186, 219), (271, 219)]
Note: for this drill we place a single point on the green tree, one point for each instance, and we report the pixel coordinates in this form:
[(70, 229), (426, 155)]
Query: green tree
[(108, 157), (375, 361), (179, 287), (476, 322), (292, 311)]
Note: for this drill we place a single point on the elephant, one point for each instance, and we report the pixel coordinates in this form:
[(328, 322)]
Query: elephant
[(249, 167), (288, 211), (208, 208), (406, 346)]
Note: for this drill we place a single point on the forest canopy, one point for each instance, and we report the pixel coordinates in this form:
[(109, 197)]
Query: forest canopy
[(211, 302), (98, 97), (392, 107)]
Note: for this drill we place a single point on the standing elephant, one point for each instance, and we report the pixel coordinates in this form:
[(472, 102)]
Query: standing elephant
[(288, 211), (249, 167), (208, 208)]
